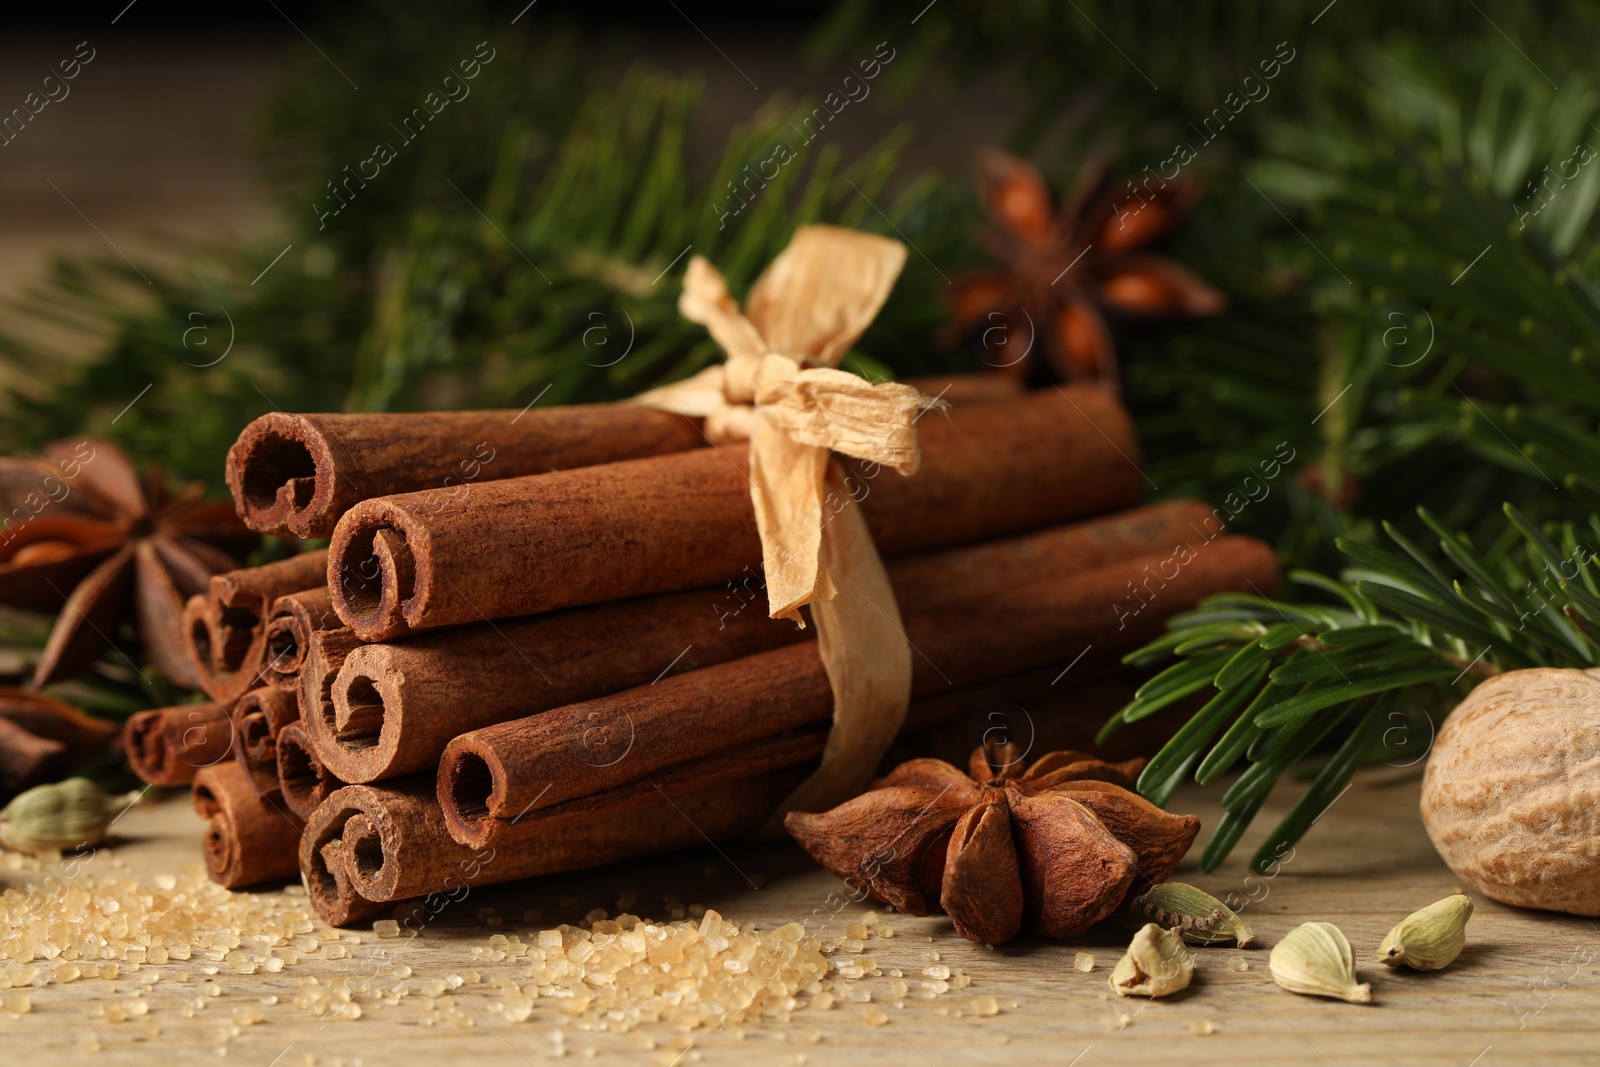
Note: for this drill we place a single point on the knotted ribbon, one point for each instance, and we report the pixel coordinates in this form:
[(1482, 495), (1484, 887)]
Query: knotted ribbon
[(779, 390)]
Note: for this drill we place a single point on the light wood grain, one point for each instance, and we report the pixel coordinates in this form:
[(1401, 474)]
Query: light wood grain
[(1526, 991)]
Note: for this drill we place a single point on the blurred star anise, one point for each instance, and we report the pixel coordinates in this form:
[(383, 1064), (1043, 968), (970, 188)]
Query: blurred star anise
[(85, 536), (1042, 317), (1055, 848)]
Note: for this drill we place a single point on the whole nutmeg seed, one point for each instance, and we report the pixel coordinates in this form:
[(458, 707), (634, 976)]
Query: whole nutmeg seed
[(1511, 795)]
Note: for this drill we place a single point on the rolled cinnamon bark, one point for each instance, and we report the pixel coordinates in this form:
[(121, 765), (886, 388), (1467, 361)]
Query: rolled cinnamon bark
[(297, 474), (167, 746), (258, 717), (778, 752), (303, 780), (490, 779), (225, 629), (324, 657), (369, 846), (250, 838), (528, 545), (290, 623), (395, 706)]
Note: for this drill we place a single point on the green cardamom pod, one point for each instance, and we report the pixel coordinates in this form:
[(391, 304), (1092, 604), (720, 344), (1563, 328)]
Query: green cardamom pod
[(1429, 939), (1201, 918), (1155, 964), (60, 815), (1315, 958)]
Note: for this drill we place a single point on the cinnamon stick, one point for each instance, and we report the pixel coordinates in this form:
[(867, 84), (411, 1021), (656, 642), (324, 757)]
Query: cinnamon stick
[(225, 629), (369, 846), (527, 545), (302, 778), (394, 707), (258, 717), (291, 621), (167, 746), (489, 779), (324, 656), (297, 474), (249, 837), (959, 389)]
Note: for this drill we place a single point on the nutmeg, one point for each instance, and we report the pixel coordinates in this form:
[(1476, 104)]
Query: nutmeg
[(1511, 795)]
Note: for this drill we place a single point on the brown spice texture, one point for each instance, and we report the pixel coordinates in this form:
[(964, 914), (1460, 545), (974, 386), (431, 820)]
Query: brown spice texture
[(167, 746), (225, 629), (522, 546), (490, 778), (295, 475), (250, 836)]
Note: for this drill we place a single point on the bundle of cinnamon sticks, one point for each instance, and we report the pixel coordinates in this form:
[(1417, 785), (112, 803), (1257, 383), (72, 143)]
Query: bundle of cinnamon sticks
[(547, 629)]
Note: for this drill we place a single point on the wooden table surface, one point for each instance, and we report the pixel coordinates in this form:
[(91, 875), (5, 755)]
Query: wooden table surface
[(1525, 991)]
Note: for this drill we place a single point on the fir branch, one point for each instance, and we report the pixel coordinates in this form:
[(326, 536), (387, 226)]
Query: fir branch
[(1410, 627)]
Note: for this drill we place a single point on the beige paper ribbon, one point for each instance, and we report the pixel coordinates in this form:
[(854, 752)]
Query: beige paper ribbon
[(779, 391)]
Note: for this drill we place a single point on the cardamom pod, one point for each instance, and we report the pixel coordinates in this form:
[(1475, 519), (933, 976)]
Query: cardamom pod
[(1155, 964), (1199, 916), (60, 815), (1315, 958), (1429, 939)]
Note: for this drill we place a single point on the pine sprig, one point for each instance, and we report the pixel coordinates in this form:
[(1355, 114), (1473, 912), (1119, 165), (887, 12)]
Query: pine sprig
[(548, 273), (1409, 629)]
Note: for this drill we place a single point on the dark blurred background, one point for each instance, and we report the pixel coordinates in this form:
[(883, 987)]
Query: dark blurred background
[(160, 139)]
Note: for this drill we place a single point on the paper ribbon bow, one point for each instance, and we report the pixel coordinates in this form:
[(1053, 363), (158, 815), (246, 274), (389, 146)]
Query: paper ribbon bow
[(779, 391)]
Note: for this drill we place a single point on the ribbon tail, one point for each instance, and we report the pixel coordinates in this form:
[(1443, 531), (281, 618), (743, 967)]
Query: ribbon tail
[(864, 647), (787, 482)]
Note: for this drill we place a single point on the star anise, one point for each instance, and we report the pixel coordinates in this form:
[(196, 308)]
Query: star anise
[(1063, 270), (84, 535), (42, 738), (1055, 848)]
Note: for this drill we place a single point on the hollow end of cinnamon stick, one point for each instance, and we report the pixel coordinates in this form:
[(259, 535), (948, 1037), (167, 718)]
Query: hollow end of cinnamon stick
[(249, 838), (167, 746), (281, 475), (225, 629), (254, 738), (470, 788), (291, 621), (374, 574), (355, 735), (302, 776), (219, 643), (367, 847), (324, 868)]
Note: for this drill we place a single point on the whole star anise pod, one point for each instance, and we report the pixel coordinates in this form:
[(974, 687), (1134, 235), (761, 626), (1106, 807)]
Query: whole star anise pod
[(1055, 848), (1063, 270), (85, 536)]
